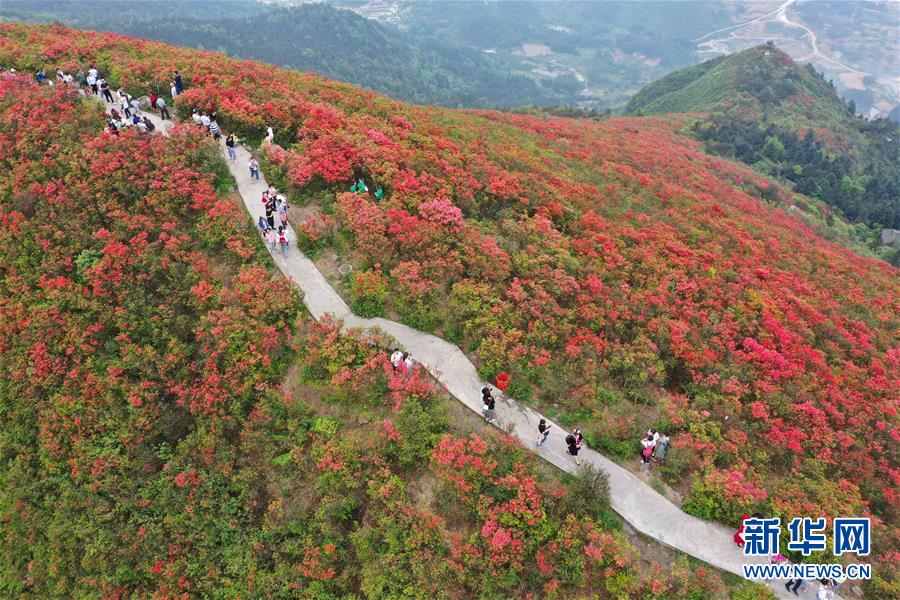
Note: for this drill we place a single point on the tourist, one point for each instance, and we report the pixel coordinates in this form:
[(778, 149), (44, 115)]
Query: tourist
[(139, 124), (92, 76), (263, 225), (105, 91), (270, 135), (825, 591), (488, 404), (579, 437), (173, 91), (123, 102), (543, 431), (379, 193), (573, 447), (270, 215), (179, 83), (254, 168), (647, 449), (793, 585), (214, 129), (41, 77), (282, 209), (231, 144), (205, 120), (149, 125), (271, 237), (60, 77), (661, 448), (283, 240), (163, 111), (407, 362), (738, 536), (153, 100), (361, 187), (396, 359), (136, 107), (81, 77), (195, 116), (68, 80)]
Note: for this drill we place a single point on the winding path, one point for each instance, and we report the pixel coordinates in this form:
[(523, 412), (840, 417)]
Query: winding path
[(644, 509)]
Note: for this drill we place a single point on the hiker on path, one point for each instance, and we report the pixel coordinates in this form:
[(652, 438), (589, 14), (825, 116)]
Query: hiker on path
[(92, 76), (231, 144), (282, 209), (579, 437), (271, 237), (573, 447), (396, 359), (270, 215), (488, 404), (123, 102), (647, 449), (793, 585), (105, 91), (739, 534), (136, 107), (214, 129), (179, 83), (173, 90), (149, 125), (543, 431), (662, 448), (254, 168), (163, 111), (263, 225), (283, 240), (81, 78)]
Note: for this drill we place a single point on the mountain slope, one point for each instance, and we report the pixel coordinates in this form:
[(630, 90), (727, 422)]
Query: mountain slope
[(787, 121), (624, 278)]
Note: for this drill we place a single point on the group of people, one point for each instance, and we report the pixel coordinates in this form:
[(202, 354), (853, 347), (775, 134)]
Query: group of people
[(360, 187), (211, 125), (654, 446), (273, 201), (401, 361)]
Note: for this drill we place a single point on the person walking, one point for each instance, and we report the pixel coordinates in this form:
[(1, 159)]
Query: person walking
[(488, 404), (793, 585), (579, 437), (231, 144), (124, 103), (136, 107), (573, 447), (282, 209), (407, 362), (214, 129), (105, 91), (254, 168), (163, 111), (271, 237), (662, 448), (178, 82), (205, 120), (173, 90), (282, 239), (270, 215), (92, 76), (543, 432), (396, 359), (647, 449)]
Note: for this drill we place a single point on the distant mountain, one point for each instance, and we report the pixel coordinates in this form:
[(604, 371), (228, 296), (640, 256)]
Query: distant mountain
[(314, 37), (787, 121)]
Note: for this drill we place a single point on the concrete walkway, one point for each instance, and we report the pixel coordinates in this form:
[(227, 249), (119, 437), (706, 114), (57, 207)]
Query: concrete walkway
[(643, 508)]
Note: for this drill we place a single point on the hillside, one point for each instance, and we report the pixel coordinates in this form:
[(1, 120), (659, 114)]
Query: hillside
[(355, 50), (173, 425), (624, 278), (787, 121)]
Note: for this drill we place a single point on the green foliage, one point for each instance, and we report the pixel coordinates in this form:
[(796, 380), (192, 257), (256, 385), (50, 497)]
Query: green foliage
[(369, 293)]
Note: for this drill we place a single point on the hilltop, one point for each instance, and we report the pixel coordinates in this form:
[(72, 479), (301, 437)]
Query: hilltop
[(787, 121), (623, 278)]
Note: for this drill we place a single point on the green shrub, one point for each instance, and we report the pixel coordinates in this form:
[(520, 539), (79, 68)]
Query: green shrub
[(369, 291)]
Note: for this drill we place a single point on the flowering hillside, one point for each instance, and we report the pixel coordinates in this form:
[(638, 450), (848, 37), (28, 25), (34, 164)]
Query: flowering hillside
[(612, 268), (146, 449)]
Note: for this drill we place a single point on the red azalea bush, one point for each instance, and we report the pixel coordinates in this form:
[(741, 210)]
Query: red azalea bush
[(597, 262)]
